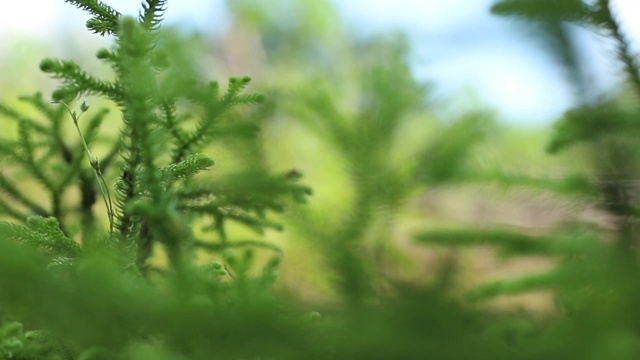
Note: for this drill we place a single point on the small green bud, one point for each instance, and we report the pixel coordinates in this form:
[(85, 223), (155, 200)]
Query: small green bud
[(48, 65), (245, 79), (84, 106), (103, 54), (94, 162)]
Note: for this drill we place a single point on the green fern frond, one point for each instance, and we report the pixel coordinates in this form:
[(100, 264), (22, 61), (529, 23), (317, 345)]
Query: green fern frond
[(244, 198), (508, 242), (42, 233), (248, 99), (188, 167), (603, 17), (152, 13), (543, 280), (77, 82), (236, 85), (138, 150), (574, 184), (254, 189), (591, 123), (105, 20), (62, 264), (210, 125), (170, 122), (214, 109), (569, 10)]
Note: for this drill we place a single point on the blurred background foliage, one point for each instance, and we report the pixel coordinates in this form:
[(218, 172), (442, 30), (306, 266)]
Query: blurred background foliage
[(476, 239), (348, 113)]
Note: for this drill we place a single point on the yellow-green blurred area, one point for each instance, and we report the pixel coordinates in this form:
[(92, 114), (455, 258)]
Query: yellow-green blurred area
[(384, 162)]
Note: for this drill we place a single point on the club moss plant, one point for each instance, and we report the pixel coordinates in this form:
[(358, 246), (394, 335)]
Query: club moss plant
[(90, 215)]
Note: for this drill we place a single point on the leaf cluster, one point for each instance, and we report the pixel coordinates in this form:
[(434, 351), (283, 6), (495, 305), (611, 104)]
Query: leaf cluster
[(101, 291), (170, 117)]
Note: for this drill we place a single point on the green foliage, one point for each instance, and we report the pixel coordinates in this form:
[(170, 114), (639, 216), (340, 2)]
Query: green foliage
[(42, 233), (180, 262), (590, 278), (152, 167), (105, 20), (570, 10)]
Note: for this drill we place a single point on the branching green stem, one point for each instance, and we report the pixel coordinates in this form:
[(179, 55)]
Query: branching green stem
[(95, 164)]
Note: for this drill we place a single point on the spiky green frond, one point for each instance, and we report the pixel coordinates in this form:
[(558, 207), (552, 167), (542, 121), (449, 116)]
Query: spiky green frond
[(152, 13), (526, 283), (574, 184), (77, 82), (591, 123), (44, 152), (253, 189), (604, 17), (42, 233), (569, 10), (212, 124), (138, 114), (105, 20), (188, 167), (508, 242), (170, 122), (244, 198)]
